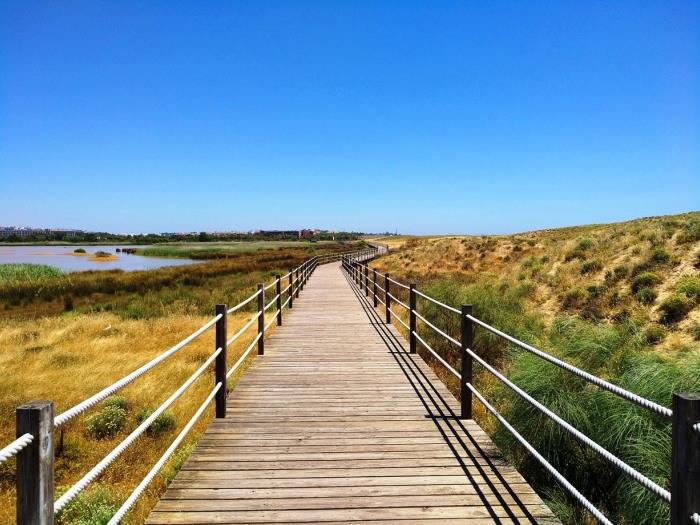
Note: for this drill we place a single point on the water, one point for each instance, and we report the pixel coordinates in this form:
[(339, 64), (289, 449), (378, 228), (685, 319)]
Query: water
[(62, 258)]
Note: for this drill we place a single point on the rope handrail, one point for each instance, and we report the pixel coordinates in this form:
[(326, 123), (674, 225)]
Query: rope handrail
[(242, 304), (243, 355), (438, 357), (119, 515), (397, 283), (398, 301), (580, 436), (245, 327), (435, 301), (271, 302), (696, 427), (267, 287), (443, 334), (80, 485), (272, 319), (15, 447), (621, 392), (118, 385), (398, 318), (695, 518), (284, 304), (546, 464)]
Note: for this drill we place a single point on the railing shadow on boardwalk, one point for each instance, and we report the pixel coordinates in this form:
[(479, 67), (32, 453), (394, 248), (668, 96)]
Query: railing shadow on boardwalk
[(442, 413)]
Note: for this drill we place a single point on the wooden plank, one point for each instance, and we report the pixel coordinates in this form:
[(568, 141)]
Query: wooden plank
[(337, 423)]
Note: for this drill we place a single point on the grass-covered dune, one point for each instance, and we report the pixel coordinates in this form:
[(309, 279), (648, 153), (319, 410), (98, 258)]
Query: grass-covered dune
[(621, 301)]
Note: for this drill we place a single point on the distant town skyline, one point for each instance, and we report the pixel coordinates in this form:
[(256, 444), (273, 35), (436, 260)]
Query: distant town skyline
[(426, 118)]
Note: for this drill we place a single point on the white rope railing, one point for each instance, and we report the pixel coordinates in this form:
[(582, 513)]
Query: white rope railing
[(109, 458), (399, 302), (443, 334), (435, 301), (243, 356), (580, 436), (15, 447), (272, 318), (119, 515), (266, 288), (695, 518), (272, 302), (241, 305), (438, 357), (525, 443), (397, 283), (243, 329), (398, 318), (621, 392), (114, 387)]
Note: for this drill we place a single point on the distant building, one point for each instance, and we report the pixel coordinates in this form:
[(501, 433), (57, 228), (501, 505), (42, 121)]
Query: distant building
[(56, 233), (306, 234)]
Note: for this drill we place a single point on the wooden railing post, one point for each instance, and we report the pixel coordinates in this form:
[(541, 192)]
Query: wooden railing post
[(412, 317), (220, 365), (303, 275), (374, 287), (278, 291), (685, 458), (466, 340), (291, 289), (298, 282), (35, 488), (261, 319), (366, 281), (387, 299)]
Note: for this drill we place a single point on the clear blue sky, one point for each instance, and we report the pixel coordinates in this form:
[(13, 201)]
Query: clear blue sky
[(454, 117)]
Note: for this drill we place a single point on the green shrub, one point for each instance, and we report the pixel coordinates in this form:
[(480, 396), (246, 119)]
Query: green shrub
[(584, 244), (674, 309), (690, 287), (162, 424), (654, 334), (591, 267), (116, 401), (695, 331), (690, 233), (107, 422), (102, 254), (646, 295), (659, 257), (620, 272), (94, 506), (572, 298), (79, 250), (644, 280)]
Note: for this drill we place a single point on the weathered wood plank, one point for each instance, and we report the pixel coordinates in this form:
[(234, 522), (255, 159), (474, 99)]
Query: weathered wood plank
[(337, 423)]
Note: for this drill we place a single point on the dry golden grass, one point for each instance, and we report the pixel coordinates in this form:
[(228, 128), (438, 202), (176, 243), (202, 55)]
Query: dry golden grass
[(562, 277), (66, 359)]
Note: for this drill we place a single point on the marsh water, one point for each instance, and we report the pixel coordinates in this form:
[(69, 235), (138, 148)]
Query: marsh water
[(63, 257)]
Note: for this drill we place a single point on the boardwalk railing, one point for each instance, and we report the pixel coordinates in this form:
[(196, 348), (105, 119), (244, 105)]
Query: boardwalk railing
[(35, 421), (684, 496)]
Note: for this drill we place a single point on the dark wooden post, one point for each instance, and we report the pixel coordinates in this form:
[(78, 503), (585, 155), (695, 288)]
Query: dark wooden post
[(387, 299), (374, 287), (291, 289), (278, 290), (220, 366), (366, 281), (35, 489), (301, 277), (296, 288), (466, 340), (261, 319), (412, 317), (685, 461)]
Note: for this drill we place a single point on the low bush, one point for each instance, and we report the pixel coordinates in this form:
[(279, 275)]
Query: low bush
[(674, 309), (591, 267), (654, 334), (162, 424), (79, 250), (94, 506), (659, 257), (116, 401), (690, 287), (102, 254), (644, 280), (107, 422), (646, 295), (572, 298)]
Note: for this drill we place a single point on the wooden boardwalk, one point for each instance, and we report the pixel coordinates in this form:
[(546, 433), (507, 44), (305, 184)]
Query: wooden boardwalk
[(338, 423)]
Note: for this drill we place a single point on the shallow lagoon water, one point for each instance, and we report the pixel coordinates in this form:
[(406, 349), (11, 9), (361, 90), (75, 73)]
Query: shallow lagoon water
[(62, 257)]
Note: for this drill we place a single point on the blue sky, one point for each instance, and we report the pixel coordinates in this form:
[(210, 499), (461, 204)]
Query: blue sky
[(430, 117)]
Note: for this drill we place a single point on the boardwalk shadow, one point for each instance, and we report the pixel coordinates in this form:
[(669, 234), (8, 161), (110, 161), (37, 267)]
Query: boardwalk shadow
[(456, 434)]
